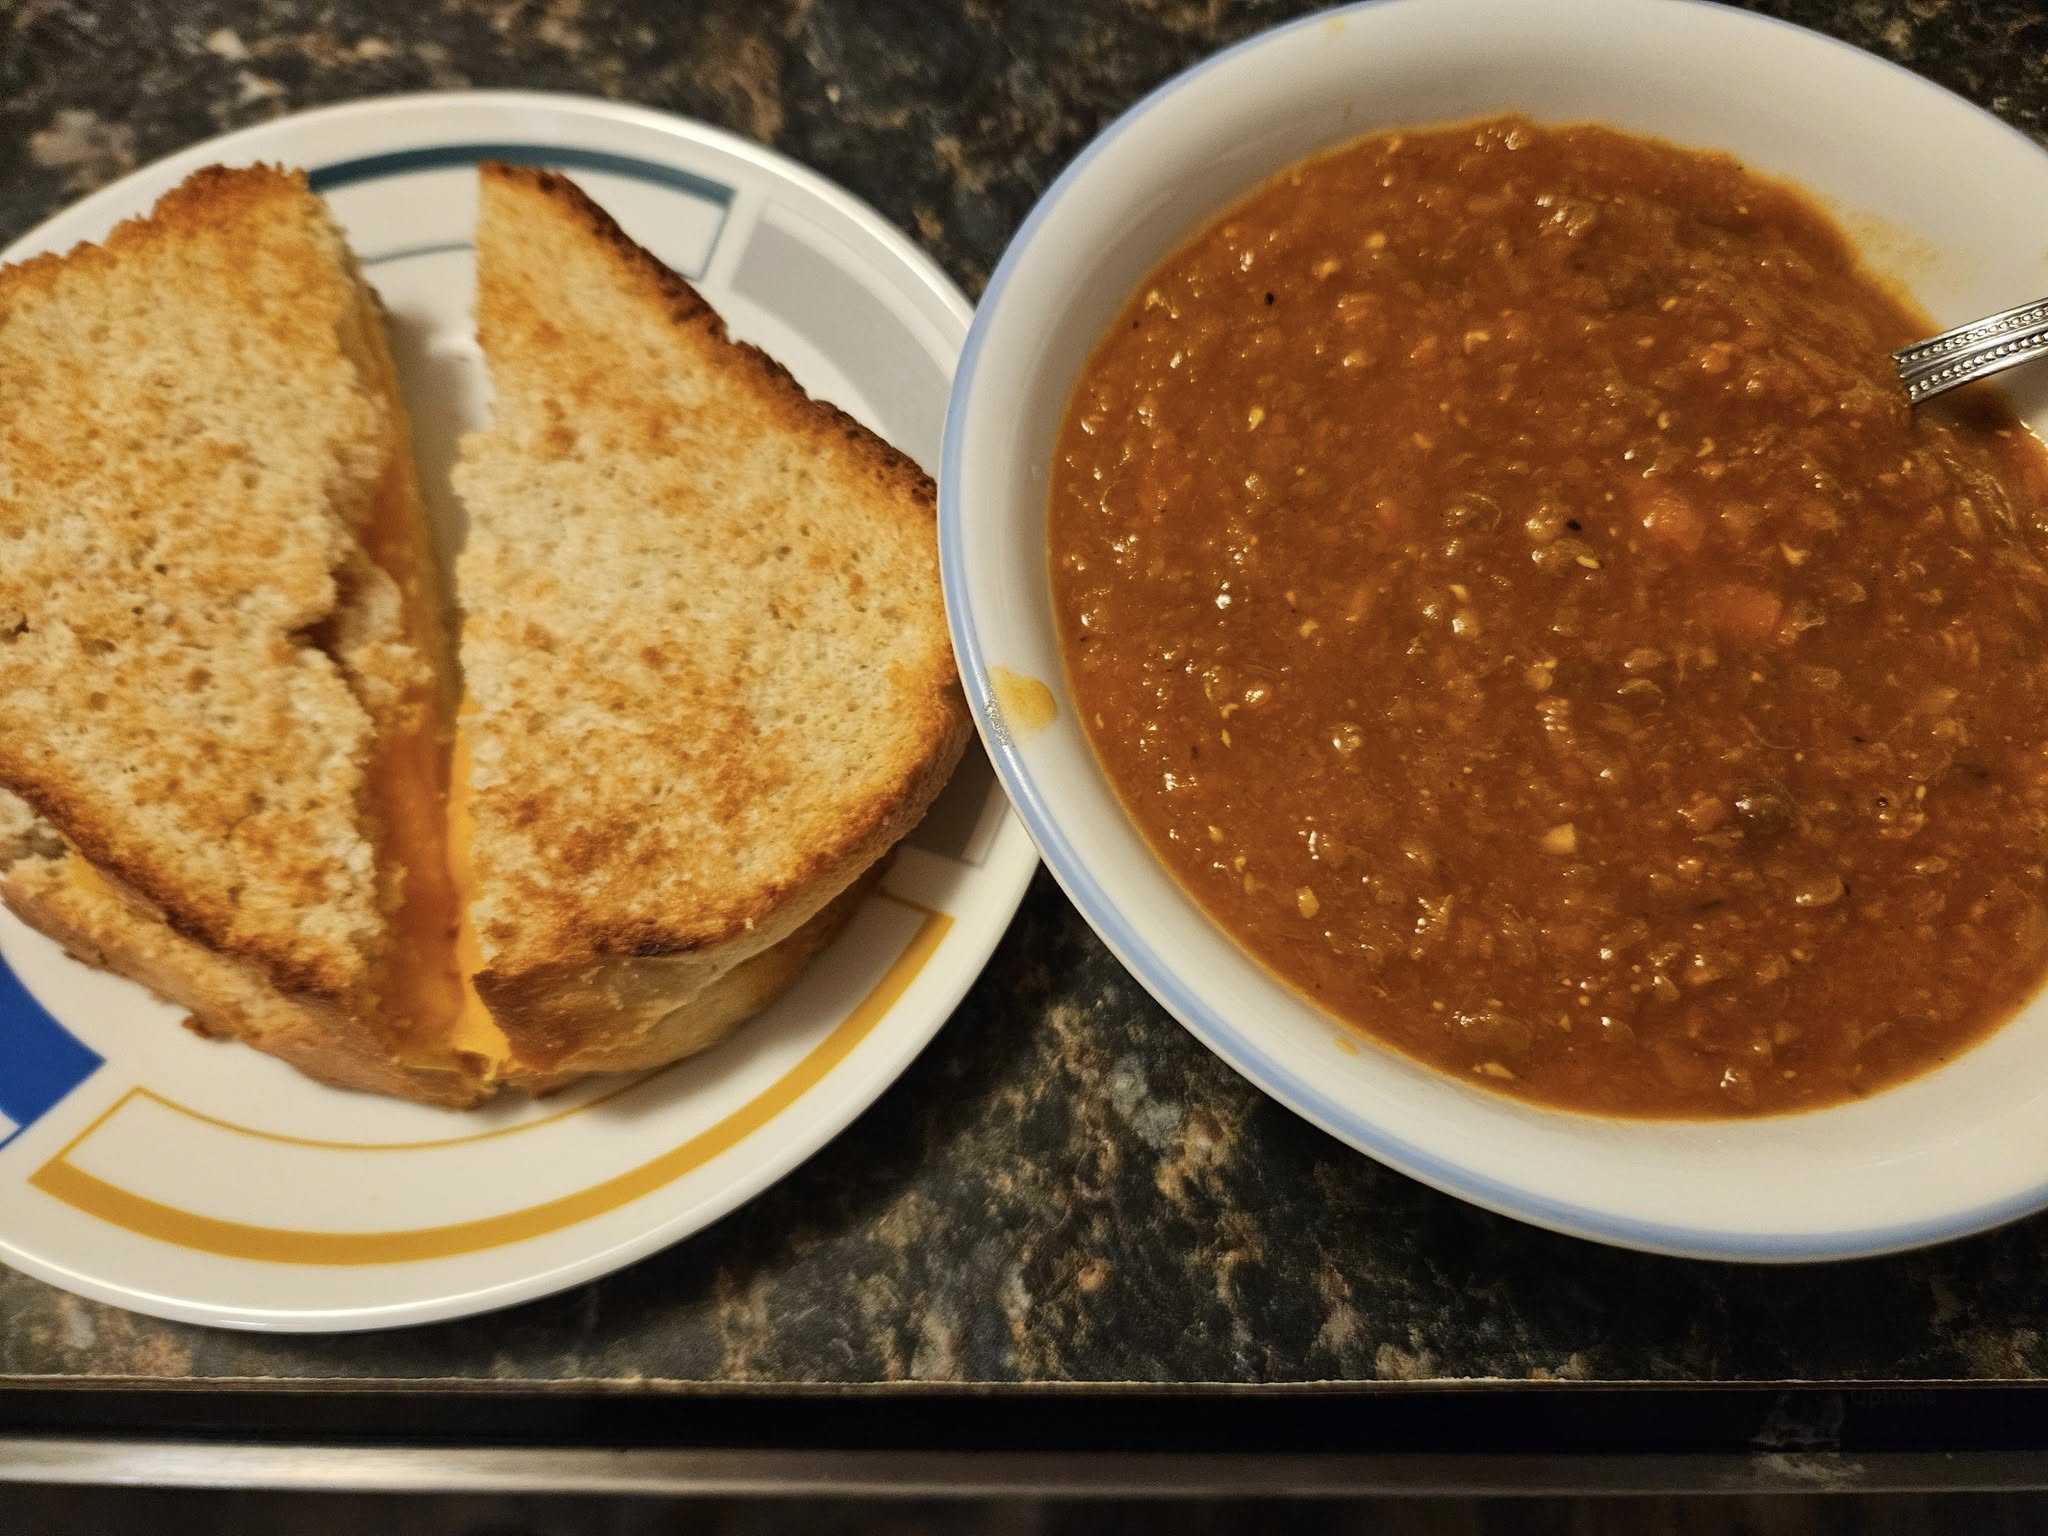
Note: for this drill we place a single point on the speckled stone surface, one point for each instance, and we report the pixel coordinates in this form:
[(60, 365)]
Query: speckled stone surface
[(1065, 1187)]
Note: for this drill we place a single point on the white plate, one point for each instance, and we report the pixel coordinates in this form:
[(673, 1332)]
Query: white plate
[(1944, 198), (143, 1166)]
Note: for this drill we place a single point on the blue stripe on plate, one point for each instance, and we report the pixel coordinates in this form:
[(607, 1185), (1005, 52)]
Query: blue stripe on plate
[(412, 252), (344, 173), (404, 162), (40, 1061)]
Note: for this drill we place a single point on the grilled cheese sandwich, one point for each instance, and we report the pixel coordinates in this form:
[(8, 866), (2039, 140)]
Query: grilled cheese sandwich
[(237, 760)]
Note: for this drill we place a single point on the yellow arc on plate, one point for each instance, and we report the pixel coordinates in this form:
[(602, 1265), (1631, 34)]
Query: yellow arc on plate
[(87, 1192)]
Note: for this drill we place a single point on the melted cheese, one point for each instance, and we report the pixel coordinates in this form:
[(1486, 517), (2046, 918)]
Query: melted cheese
[(79, 871), (423, 988), (474, 1029), (419, 784)]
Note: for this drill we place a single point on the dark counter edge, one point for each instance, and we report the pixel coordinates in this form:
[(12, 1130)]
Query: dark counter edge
[(671, 1389), (1472, 1421)]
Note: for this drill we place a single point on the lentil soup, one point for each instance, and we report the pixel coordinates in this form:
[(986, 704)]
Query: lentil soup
[(1502, 579)]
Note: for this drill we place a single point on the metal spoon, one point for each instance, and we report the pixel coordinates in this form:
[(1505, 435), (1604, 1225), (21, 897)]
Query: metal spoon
[(1974, 351)]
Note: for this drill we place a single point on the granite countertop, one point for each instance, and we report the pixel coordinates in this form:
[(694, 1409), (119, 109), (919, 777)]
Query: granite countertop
[(1065, 1188)]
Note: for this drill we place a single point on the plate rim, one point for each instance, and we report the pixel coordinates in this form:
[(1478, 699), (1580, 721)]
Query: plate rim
[(1155, 973), (1008, 863)]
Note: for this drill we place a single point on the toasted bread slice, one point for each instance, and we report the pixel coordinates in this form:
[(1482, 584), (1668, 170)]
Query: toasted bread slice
[(223, 721), (708, 674), (50, 886)]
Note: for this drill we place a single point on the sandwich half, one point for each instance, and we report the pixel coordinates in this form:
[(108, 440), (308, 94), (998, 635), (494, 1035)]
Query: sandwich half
[(708, 678), (224, 681)]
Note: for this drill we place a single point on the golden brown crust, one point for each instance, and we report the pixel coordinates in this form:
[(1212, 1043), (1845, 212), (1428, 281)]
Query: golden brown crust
[(229, 998), (625, 1018), (211, 198)]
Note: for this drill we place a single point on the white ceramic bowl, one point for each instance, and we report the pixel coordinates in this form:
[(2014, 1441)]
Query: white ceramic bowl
[(1945, 199)]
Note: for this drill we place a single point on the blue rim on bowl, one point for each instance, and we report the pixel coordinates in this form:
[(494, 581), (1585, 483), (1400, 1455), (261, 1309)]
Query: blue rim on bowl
[(1160, 977)]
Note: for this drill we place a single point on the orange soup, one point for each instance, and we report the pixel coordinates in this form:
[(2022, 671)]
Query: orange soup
[(1501, 576)]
